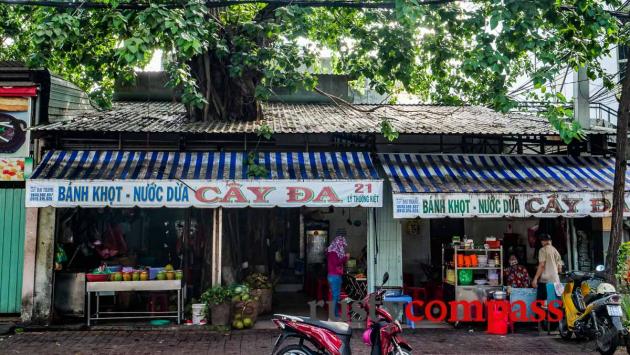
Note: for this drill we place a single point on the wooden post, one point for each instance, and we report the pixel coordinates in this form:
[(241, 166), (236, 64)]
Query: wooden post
[(217, 245)]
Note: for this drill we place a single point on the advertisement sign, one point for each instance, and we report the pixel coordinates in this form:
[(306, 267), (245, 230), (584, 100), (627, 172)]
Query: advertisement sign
[(15, 169), (14, 134), (542, 204), (203, 193)]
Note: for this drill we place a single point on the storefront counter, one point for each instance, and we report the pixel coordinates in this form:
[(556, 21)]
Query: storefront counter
[(137, 286)]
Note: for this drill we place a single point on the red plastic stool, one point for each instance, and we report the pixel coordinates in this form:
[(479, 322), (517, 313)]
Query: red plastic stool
[(342, 296), (416, 293)]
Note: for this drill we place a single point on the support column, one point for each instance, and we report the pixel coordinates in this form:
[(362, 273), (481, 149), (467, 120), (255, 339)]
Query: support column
[(384, 244), (581, 98), (217, 245), (44, 255), (28, 274)]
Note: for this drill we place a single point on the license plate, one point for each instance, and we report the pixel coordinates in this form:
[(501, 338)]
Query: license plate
[(614, 311)]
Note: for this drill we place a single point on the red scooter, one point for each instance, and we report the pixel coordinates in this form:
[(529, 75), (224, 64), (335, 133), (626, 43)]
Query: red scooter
[(382, 333)]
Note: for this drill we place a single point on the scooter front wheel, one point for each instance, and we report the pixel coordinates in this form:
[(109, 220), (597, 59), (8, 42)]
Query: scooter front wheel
[(295, 349)]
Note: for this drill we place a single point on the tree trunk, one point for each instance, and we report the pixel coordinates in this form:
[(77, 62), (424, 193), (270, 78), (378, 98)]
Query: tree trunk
[(229, 98), (616, 234)]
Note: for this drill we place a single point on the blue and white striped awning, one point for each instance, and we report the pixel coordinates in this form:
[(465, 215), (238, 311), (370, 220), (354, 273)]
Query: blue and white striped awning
[(456, 185), (151, 165), (457, 173), (204, 179)]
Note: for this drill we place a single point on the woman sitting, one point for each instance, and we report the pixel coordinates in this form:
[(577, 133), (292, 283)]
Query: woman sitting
[(516, 275)]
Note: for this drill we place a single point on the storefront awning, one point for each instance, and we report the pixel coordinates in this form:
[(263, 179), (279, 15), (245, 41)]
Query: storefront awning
[(448, 185), (204, 179)]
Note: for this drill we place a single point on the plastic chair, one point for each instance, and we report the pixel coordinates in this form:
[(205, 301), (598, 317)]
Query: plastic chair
[(404, 300), (322, 288)]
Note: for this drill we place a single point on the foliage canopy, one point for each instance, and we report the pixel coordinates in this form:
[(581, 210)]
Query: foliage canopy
[(467, 52)]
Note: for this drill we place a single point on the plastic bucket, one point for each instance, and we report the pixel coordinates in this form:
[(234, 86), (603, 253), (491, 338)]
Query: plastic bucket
[(198, 313)]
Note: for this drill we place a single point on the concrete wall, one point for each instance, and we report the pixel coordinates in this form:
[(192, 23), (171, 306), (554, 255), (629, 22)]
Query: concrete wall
[(28, 274), (38, 265)]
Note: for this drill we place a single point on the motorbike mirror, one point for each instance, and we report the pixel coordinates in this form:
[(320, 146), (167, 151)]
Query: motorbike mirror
[(385, 277), (600, 268)]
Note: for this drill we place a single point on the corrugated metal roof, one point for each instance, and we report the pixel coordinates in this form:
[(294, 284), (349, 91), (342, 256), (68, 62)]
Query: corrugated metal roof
[(171, 117), (66, 100)]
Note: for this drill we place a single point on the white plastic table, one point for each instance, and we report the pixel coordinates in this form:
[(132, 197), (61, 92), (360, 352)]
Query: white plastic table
[(138, 286)]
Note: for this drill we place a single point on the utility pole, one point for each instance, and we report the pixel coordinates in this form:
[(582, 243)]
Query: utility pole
[(618, 204)]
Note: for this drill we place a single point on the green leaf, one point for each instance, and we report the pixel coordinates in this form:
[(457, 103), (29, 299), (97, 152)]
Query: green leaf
[(388, 131), (494, 21)]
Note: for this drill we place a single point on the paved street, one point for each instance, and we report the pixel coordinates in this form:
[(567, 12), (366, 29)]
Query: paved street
[(193, 342)]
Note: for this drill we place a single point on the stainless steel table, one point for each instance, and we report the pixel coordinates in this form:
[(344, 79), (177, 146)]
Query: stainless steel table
[(138, 286)]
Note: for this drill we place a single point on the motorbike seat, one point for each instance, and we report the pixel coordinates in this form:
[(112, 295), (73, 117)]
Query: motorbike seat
[(591, 297), (340, 328), (579, 276)]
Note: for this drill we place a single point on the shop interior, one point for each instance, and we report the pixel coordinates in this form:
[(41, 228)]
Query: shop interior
[(289, 245), (579, 241), (126, 242), (286, 244)]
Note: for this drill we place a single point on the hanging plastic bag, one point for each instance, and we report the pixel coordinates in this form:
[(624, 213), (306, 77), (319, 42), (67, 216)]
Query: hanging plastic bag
[(60, 257)]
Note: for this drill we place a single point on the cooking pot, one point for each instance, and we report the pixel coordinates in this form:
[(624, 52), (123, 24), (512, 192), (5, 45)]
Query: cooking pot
[(499, 295)]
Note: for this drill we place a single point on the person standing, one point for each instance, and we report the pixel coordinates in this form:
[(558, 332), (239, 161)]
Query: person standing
[(549, 266), (336, 256)]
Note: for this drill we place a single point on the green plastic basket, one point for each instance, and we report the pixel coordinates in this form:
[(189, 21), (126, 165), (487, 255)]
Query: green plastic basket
[(465, 277)]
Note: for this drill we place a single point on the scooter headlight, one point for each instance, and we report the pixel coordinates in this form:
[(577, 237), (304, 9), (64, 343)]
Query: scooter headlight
[(398, 324)]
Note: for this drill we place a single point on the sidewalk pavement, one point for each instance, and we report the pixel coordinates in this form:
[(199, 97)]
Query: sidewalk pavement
[(250, 342)]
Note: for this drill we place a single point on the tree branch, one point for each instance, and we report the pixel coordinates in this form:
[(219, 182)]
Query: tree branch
[(343, 103)]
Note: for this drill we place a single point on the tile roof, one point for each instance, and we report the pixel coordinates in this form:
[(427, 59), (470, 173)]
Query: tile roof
[(171, 117)]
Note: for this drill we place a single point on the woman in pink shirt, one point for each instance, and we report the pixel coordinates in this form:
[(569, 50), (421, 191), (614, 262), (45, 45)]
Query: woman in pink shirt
[(337, 257)]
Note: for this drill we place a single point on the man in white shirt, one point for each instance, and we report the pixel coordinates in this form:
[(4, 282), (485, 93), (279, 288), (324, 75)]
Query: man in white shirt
[(549, 267)]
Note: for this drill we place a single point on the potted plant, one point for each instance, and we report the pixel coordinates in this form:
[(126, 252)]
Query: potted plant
[(260, 289), (217, 300)]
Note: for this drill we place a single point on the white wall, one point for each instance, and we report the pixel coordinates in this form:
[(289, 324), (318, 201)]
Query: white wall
[(355, 236)]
